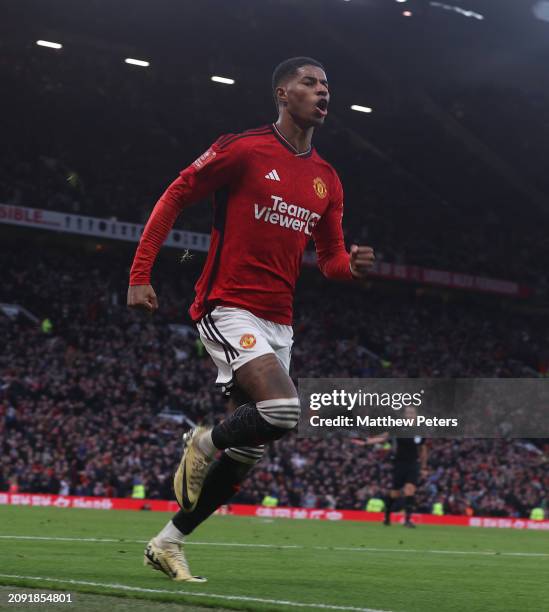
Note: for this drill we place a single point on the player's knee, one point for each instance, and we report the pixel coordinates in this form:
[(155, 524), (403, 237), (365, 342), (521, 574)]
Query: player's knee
[(249, 455), (280, 413)]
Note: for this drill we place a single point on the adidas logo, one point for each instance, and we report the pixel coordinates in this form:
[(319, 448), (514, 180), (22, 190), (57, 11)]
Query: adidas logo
[(272, 176)]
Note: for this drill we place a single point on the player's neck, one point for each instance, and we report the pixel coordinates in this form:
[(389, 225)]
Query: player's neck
[(300, 138)]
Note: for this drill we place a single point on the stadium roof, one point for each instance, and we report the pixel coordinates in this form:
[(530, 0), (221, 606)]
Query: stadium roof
[(443, 42)]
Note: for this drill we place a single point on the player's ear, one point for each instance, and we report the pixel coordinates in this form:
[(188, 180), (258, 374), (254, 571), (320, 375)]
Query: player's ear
[(281, 95)]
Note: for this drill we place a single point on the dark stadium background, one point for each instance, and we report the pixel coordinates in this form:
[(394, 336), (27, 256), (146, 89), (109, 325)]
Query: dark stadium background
[(449, 172)]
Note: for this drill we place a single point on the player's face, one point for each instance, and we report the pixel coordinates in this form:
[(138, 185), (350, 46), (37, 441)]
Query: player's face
[(307, 96)]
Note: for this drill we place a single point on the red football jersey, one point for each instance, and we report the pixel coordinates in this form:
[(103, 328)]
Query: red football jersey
[(269, 200)]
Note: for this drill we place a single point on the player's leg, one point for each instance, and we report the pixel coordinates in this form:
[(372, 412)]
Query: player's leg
[(224, 476), (390, 501), (241, 436), (223, 479), (411, 478), (398, 482), (221, 483), (246, 345), (231, 468), (409, 503), (272, 413)]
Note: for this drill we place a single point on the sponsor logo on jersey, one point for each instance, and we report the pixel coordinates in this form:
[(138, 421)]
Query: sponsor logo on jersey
[(247, 341), (294, 217), (204, 159), (320, 188)]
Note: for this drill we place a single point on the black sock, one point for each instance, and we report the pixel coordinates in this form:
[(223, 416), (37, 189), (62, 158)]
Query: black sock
[(245, 427), (388, 505), (409, 503), (221, 483)]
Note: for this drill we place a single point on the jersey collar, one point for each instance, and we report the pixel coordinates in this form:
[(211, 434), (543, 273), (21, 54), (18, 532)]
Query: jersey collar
[(289, 145)]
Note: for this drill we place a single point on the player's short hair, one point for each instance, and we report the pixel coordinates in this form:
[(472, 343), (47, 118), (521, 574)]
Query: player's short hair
[(289, 68)]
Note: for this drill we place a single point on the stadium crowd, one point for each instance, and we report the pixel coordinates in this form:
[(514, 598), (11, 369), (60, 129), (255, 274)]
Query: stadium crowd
[(480, 477), (88, 404)]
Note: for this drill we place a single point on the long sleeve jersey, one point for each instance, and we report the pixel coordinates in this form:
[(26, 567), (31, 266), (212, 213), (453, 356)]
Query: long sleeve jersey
[(269, 201)]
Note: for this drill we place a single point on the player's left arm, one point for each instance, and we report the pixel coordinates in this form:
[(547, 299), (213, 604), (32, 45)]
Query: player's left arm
[(333, 259), (218, 166)]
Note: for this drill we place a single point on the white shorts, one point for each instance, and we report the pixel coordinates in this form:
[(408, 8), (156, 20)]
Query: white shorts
[(233, 336)]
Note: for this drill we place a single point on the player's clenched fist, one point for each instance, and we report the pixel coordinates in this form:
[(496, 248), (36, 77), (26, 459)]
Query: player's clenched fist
[(362, 260), (142, 297)]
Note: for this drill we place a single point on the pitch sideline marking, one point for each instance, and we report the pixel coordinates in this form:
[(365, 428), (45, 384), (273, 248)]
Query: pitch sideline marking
[(125, 587), (486, 553), (122, 540)]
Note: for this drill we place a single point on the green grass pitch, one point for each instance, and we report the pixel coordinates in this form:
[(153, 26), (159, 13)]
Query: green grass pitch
[(275, 565)]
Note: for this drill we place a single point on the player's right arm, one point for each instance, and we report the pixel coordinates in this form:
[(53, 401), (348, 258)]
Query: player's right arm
[(217, 167), (333, 259)]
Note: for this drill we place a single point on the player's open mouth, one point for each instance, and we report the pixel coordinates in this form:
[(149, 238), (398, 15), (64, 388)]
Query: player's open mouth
[(322, 107)]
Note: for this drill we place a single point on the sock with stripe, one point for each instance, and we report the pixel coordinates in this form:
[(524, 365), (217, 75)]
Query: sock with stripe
[(255, 424), (221, 483)]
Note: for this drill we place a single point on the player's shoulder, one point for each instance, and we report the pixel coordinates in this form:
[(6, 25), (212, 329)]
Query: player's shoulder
[(243, 140)]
